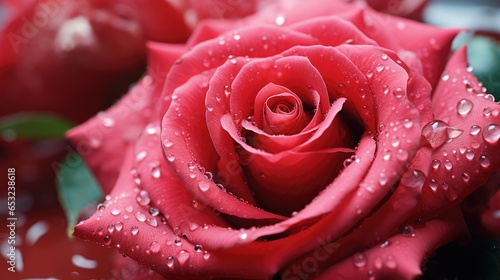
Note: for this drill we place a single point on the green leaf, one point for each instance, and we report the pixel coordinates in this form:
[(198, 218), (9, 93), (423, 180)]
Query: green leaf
[(77, 188), (33, 126), (484, 57)]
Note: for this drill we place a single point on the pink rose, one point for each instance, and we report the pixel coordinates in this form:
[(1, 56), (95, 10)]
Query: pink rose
[(333, 147)]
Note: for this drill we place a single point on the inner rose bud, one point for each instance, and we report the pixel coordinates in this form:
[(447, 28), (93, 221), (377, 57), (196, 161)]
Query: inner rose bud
[(283, 111), (293, 141)]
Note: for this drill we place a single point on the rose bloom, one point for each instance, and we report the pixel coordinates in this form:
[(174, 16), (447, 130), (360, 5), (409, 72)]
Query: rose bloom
[(337, 147)]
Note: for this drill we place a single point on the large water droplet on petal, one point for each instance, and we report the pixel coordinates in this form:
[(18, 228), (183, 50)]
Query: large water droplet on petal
[(436, 133), (204, 186), (140, 216), (183, 256), (491, 133), (413, 178), (115, 211), (143, 198), (464, 106)]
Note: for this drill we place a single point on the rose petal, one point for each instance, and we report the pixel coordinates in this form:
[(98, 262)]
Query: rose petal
[(401, 261), (467, 158), (125, 224), (384, 222), (429, 43)]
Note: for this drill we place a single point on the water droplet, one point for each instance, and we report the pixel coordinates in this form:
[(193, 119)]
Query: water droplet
[(398, 92), (151, 129), (143, 198), (155, 169), (436, 133), (193, 226), (232, 59), (359, 260), (484, 161), (435, 164), (101, 207), (445, 77), (170, 157), (386, 154), (280, 20), (154, 247), (140, 216), (206, 255), (208, 175), (152, 222), (453, 132), (383, 56), (489, 97), (154, 211), (465, 177), (119, 226), (134, 230), (167, 143), (204, 186), (129, 208), (395, 142), (469, 155), (464, 106), (407, 123), (474, 130), (210, 108), (487, 111), (183, 256), (198, 248), (402, 155), (347, 162), (369, 74), (170, 261), (382, 179), (141, 155), (413, 178), (448, 165), (408, 231), (433, 185), (236, 36), (107, 240), (243, 234), (111, 228), (491, 133), (108, 122), (115, 211)]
